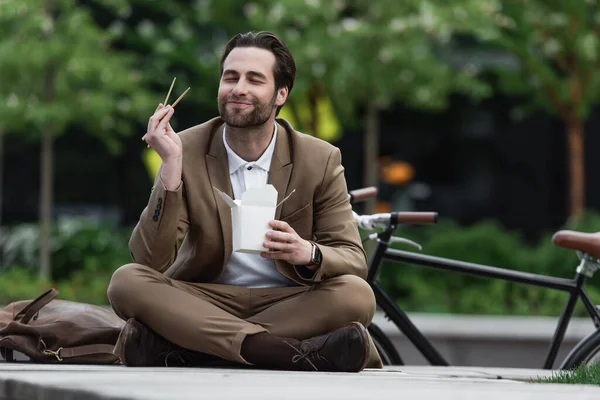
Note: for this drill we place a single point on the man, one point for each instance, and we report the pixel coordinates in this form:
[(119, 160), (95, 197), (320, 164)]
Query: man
[(302, 305)]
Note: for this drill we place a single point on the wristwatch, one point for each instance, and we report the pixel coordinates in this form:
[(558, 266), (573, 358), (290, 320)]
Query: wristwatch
[(315, 257)]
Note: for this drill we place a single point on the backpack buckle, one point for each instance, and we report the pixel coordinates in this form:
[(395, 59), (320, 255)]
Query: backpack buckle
[(48, 352)]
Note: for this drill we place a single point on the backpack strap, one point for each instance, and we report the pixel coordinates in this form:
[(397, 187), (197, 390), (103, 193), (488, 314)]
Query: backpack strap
[(78, 351), (28, 312), (35, 305), (67, 352)]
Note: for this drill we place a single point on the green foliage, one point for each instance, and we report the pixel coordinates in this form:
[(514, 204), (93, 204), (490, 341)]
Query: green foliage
[(58, 68), (85, 254), (86, 286), (421, 289), (363, 51), (20, 283), (183, 40), (77, 245), (551, 49)]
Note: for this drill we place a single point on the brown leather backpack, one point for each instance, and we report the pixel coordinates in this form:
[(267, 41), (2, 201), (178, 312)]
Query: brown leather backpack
[(59, 331)]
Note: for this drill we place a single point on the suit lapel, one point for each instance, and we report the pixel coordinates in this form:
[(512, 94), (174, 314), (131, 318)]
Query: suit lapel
[(281, 166), (218, 174)]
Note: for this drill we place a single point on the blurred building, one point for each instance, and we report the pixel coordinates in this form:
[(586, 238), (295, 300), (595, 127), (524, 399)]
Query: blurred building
[(474, 161), (469, 162)]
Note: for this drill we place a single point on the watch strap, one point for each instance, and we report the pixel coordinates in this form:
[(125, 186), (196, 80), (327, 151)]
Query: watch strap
[(315, 257)]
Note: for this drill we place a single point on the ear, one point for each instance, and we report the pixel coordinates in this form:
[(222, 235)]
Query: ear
[(282, 94)]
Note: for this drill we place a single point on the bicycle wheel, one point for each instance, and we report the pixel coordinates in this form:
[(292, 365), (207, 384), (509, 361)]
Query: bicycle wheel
[(586, 352), (386, 349)]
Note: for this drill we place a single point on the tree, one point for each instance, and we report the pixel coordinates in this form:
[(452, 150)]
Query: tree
[(368, 55), (185, 41), (58, 70), (556, 46)]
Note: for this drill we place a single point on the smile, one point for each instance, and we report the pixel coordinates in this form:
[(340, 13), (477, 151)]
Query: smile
[(239, 104)]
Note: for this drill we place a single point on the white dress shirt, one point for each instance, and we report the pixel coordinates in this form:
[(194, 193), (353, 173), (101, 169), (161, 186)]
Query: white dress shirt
[(250, 270)]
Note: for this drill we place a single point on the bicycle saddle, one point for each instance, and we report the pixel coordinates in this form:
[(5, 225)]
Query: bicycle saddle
[(586, 242)]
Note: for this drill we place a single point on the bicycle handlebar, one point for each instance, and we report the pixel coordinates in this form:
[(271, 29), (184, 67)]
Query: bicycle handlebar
[(363, 194), (417, 217), (385, 219)]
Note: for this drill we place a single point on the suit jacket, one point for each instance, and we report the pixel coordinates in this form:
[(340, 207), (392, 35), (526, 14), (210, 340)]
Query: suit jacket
[(187, 233)]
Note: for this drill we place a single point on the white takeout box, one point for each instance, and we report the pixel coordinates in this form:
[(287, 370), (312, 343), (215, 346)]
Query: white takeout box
[(250, 217)]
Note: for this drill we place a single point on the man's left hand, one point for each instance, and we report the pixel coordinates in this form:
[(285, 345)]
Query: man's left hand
[(285, 244)]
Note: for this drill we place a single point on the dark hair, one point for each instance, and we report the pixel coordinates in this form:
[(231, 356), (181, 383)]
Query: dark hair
[(285, 67)]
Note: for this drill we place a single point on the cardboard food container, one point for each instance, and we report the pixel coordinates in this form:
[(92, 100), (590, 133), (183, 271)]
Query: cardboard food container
[(250, 217)]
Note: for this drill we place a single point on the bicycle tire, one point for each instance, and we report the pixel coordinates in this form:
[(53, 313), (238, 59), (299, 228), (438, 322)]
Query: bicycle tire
[(587, 351), (386, 349)]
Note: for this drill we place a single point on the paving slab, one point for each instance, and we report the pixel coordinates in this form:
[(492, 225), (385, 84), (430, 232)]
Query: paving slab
[(72, 382), (520, 374)]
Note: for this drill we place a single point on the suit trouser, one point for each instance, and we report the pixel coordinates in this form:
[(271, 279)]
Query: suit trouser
[(215, 318)]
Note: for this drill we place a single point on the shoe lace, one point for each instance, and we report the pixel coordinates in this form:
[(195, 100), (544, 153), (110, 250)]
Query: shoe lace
[(179, 359), (173, 357), (306, 352)]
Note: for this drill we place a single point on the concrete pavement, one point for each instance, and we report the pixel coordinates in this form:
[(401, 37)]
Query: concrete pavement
[(72, 382)]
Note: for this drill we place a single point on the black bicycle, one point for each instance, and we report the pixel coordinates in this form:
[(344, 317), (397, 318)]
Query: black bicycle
[(587, 246)]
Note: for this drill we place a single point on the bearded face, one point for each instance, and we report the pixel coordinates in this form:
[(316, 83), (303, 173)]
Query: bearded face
[(247, 94), (245, 112)]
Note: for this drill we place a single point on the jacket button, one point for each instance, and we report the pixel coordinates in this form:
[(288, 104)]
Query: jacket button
[(155, 218), (159, 200)]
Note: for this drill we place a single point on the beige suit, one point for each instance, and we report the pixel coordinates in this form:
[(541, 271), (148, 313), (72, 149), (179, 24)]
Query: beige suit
[(183, 240)]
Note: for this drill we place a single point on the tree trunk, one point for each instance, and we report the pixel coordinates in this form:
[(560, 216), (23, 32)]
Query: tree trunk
[(293, 107), (576, 168), (1, 171), (371, 152), (313, 101), (47, 163), (46, 196)]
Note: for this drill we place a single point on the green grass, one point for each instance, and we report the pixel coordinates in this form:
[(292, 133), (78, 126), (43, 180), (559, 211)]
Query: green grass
[(580, 375)]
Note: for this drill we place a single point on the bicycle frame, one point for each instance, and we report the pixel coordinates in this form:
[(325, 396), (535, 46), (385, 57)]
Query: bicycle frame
[(382, 252)]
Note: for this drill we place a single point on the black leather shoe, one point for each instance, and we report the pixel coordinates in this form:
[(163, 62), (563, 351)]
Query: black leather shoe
[(343, 350), (139, 346)]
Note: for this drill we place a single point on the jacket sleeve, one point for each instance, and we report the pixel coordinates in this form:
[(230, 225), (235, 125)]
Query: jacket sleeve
[(164, 222), (334, 230)]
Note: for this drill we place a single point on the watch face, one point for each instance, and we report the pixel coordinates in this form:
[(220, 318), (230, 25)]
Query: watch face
[(316, 255)]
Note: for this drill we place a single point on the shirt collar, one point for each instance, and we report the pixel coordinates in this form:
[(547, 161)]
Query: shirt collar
[(236, 162)]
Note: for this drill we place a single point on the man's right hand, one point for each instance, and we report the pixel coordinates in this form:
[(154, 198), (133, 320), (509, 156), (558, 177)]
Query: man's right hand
[(161, 136), (167, 144)]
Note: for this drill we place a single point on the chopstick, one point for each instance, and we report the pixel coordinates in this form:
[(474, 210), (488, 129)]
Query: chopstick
[(180, 97), (168, 94), (167, 99)]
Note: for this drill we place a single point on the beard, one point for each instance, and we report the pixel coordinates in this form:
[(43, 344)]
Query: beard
[(241, 118)]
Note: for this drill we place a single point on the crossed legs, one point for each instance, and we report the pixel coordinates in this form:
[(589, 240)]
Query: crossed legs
[(216, 319)]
